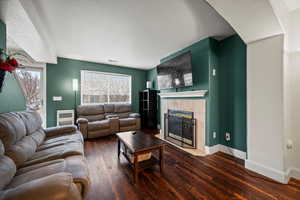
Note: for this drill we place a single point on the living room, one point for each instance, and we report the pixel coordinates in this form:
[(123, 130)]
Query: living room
[(193, 99)]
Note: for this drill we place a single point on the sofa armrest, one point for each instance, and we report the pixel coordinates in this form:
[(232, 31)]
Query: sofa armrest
[(134, 115), (58, 186), (83, 126), (82, 120), (60, 130)]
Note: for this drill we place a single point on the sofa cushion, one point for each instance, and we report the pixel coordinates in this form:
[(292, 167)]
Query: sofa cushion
[(7, 171), (76, 136), (38, 136), (56, 186), (122, 108), (76, 165), (84, 110), (56, 152), (109, 108), (18, 145), (22, 151), (98, 125), (12, 128), (32, 121), (7, 168), (92, 118), (127, 122)]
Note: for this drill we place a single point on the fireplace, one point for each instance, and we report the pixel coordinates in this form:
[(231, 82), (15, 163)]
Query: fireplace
[(180, 128)]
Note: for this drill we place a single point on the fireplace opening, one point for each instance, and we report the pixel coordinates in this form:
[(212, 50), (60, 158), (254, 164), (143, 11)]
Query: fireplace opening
[(180, 128)]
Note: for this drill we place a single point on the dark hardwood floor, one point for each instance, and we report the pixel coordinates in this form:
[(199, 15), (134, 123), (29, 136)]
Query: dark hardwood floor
[(217, 176)]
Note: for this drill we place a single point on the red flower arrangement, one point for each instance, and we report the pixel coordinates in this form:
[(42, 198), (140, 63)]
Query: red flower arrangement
[(10, 64)]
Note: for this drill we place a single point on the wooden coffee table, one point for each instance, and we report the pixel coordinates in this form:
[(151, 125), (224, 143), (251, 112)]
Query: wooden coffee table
[(139, 143)]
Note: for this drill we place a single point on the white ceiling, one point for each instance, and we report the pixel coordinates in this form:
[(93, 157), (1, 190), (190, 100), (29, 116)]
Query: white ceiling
[(137, 33), (252, 19), (23, 32), (292, 4)]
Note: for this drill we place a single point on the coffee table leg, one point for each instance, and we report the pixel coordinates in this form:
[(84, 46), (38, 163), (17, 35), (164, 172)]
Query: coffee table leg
[(161, 158), (135, 173), (119, 148)]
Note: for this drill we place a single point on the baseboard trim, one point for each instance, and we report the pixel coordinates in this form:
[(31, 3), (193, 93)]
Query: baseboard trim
[(228, 150), (212, 149), (293, 173), (275, 174)]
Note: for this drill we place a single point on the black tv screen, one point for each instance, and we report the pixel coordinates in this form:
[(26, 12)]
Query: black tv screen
[(176, 72)]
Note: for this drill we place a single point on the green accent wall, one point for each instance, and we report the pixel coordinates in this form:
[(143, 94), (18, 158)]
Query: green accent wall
[(232, 91), (226, 110), (59, 83), (12, 97), (204, 58)]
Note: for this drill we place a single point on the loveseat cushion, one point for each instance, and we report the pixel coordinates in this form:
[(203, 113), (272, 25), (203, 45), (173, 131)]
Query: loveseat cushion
[(90, 109), (98, 125), (122, 108), (123, 115), (92, 118), (109, 108), (127, 122)]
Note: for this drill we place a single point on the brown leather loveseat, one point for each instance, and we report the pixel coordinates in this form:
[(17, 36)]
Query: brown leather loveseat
[(37, 163), (101, 120)]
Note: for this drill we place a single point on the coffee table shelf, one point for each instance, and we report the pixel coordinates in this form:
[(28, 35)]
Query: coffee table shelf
[(138, 143), (143, 164)]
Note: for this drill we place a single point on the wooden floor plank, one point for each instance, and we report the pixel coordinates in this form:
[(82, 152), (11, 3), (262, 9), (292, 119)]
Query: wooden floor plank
[(185, 177)]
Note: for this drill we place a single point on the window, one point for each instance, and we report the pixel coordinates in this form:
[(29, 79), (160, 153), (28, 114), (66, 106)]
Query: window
[(99, 87)]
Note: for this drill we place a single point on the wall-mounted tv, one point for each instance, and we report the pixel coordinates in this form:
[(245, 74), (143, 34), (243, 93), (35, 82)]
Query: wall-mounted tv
[(176, 72)]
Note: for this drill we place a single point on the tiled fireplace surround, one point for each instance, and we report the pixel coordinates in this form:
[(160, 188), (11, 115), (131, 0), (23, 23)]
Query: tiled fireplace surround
[(195, 105)]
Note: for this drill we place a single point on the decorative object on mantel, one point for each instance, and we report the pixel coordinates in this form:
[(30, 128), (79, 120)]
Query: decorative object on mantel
[(194, 93), (7, 64)]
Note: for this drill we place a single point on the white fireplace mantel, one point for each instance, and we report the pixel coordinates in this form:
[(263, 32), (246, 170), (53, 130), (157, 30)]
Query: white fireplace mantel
[(194, 93)]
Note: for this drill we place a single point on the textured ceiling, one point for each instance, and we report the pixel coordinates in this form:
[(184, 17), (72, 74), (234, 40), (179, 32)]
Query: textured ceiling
[(136, 33)]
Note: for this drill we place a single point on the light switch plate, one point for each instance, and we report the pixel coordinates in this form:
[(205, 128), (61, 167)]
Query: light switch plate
[(57, 98), (214, 135), (214, 72)]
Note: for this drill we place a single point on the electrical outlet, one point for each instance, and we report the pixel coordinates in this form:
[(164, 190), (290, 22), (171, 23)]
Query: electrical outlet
[(214, 135), (227, 136)]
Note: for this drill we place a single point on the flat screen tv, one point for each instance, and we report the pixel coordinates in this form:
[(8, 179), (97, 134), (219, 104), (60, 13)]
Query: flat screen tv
[(176, 72)]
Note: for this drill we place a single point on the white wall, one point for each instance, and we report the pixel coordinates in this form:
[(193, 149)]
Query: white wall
[(265, 109), (292, 108)]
